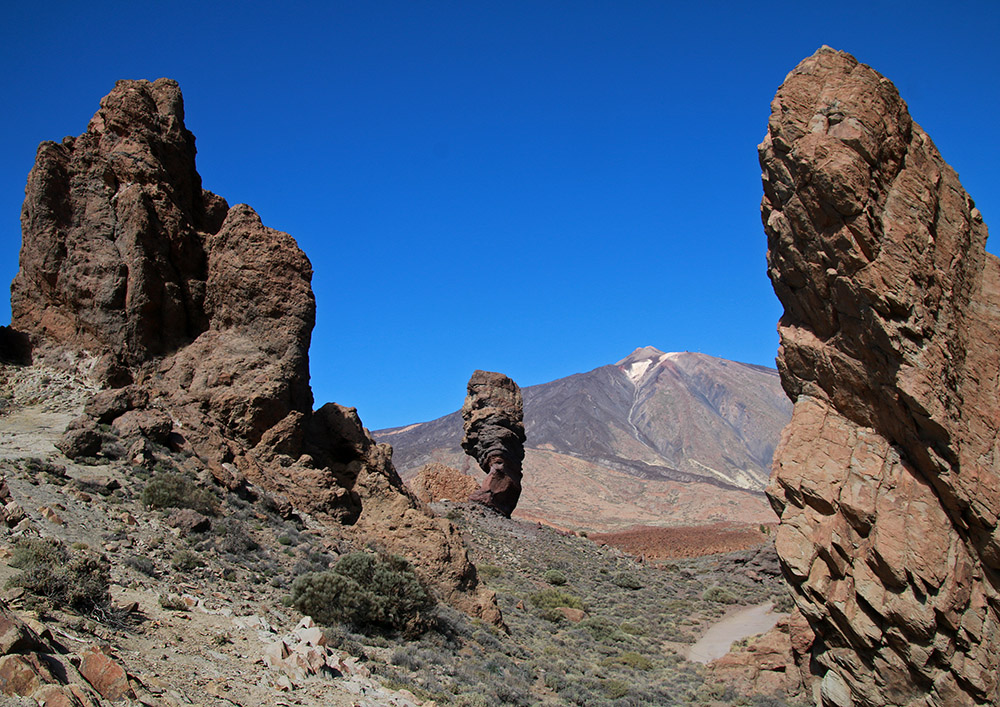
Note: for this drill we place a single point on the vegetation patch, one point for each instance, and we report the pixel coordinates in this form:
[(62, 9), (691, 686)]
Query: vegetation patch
[(172, 490), (367, 592), (77, 579)]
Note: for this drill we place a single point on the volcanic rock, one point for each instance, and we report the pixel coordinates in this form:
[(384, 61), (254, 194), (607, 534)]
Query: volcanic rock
[(887, 479), (494, 436), (437, 482), (132, 273)]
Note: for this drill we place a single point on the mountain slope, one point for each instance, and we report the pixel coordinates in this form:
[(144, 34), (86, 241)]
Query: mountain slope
[(655, 438)]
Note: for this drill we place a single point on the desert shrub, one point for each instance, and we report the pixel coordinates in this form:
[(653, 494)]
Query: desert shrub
[(406, 659), (631, 659), (489, 571), (366, 591), (720, 595), (633, 628), (234, 538), (626, 580), (615, 689), (55, 472), (552, 598), (783, 602), (142, 564), (185, 560), (601, 629), (554, 577), (75, 579), (171, 490)]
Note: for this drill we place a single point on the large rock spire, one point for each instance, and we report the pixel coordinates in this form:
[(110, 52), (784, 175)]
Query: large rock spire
[(887, 479)]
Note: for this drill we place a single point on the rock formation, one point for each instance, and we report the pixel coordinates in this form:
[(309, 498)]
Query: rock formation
[(494, 436), (438, 482), (887, 479), (134, 273)]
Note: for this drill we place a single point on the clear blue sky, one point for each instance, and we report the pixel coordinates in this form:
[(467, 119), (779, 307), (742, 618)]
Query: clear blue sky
[(531, 187)]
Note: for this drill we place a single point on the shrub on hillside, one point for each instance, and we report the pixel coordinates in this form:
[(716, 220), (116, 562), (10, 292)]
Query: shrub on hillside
[(720, 594), (554, 577), (626, 580), (552, 598), (367, 592), (77, 579), (171, 490)]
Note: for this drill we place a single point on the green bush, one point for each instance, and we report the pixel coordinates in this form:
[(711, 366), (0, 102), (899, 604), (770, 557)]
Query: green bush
[(552, 598), (367, 592), (489, 571), (170, 490), (615, 689), (626, 580), (720, 595), (554, 577), (79, 579), (185, 560)]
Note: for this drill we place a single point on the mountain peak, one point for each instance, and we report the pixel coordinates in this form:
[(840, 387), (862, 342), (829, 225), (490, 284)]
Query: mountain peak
[(643, 353)]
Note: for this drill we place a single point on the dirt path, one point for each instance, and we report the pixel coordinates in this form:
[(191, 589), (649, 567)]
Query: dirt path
[(720, 636)]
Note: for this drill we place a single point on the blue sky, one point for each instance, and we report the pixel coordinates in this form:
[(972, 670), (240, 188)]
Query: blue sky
[(534, 187)]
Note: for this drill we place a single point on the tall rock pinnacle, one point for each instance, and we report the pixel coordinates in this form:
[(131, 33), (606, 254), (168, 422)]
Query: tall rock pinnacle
[(887, 479), (494, 436)]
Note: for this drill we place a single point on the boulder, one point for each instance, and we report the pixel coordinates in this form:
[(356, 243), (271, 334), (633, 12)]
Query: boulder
[(887, 479), (82, 438)]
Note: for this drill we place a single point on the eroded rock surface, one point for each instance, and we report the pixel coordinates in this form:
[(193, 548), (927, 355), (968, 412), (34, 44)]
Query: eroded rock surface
[(439, 482), (887, 479), (494, 436), (134, 274)]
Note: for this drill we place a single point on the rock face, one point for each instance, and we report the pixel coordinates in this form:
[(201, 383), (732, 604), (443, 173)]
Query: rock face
[(494, 436), (115, 222), (887, 479), (437, 482), (133, 272)]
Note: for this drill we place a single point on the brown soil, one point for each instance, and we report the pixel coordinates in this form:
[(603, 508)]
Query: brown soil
[(685, 541)]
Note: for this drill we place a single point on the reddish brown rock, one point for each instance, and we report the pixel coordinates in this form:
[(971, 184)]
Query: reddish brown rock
[(113, 259), (887, 479), (99, 668), (494, 436), (438, 482), (131, 269), (16, 636)]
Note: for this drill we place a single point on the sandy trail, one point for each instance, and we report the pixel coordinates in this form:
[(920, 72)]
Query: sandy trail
[(733, 627)]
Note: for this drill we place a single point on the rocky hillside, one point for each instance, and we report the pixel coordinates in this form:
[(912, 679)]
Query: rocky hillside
[(887, 478), (657, 438), (183, 588), (195, 320)]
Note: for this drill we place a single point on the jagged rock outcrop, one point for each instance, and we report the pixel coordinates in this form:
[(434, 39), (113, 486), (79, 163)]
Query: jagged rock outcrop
[(887, 479), (494, 436), (134, 273)]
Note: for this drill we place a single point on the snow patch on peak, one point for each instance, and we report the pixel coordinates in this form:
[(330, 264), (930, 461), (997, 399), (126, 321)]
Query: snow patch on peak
[(644, 353), (637, 370)]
